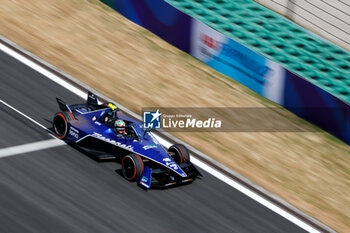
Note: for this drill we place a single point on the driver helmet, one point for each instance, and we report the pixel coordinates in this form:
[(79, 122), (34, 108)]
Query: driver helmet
[(112, 106), (120, 126)]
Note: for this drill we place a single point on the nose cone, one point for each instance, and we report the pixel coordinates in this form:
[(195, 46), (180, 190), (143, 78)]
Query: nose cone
[(157, 153)]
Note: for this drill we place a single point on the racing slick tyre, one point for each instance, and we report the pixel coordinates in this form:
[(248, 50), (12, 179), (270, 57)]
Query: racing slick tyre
[(179, 153), (60, 124), (132, 167)]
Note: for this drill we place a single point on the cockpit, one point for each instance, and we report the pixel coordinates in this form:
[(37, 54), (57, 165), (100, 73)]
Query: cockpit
[(122, 128)]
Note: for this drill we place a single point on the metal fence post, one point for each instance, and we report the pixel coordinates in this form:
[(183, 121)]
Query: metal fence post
[(291, 4)]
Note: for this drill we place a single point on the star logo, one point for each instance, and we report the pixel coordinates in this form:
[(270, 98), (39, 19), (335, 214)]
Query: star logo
[(156, 115), (152, 119)]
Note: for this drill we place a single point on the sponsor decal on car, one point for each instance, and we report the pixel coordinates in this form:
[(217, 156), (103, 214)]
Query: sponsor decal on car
[(170, 163), (99, 136), (74, 132), (144, 179), (149, 146)]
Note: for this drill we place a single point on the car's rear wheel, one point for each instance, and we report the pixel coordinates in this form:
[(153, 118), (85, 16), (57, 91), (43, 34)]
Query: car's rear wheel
[(60, 125), (179, 153), (132, 167)]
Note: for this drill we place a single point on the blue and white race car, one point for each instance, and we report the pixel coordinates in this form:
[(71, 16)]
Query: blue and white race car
[(107, 133)]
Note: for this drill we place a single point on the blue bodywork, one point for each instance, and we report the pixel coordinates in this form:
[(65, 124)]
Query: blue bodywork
[(87, 124)]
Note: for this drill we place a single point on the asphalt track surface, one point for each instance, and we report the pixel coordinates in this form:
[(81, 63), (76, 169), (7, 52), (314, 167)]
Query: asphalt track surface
[(63, 190)]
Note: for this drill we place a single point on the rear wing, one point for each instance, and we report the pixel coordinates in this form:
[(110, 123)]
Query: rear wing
[(92, 99), (63, 106)]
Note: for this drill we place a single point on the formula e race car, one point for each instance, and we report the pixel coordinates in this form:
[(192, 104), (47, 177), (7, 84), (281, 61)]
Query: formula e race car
[(105, 132)]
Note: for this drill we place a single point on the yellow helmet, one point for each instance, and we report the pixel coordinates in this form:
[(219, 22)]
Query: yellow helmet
[(112, 106)]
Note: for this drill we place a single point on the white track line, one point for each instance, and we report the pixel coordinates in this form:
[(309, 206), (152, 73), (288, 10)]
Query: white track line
[(196, 161), (43, 71), (30, 147), (22, 114), (244, 190)]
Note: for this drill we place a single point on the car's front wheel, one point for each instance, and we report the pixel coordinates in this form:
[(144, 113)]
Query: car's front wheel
[(132, 167), (179, 153)]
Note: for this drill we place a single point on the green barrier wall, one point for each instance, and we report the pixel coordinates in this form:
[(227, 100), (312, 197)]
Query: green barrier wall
[(267, 33)]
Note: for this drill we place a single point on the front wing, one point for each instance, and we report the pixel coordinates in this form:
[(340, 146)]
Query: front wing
[(162, 177)]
